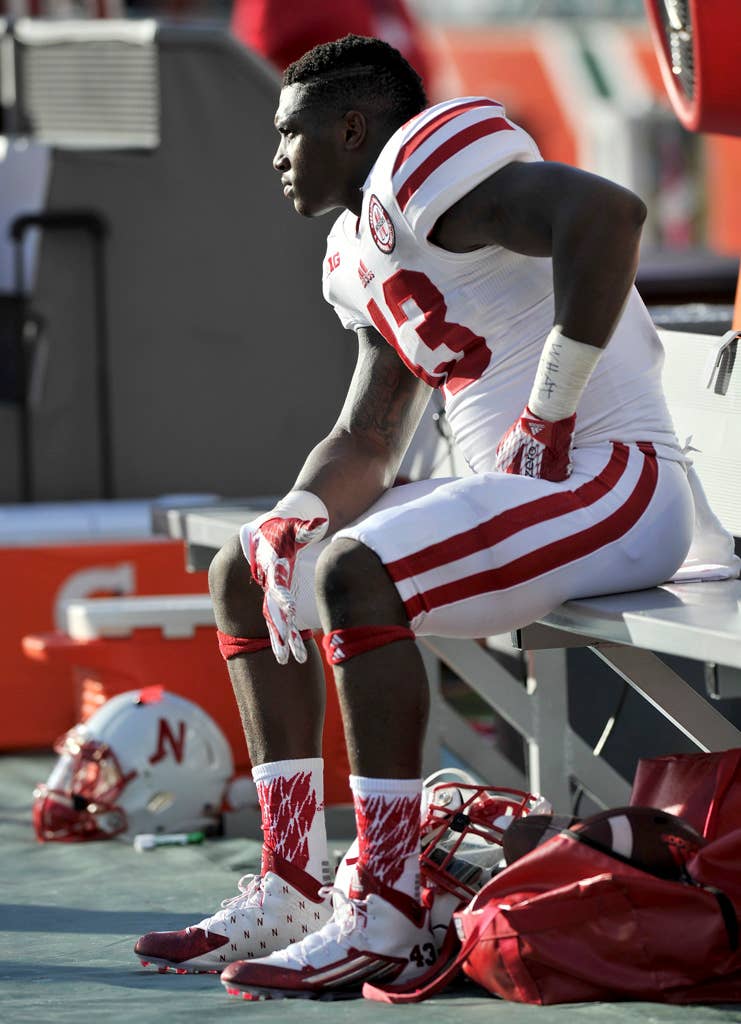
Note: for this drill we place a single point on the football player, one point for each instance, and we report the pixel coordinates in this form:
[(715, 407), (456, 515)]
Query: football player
[(463, 262)]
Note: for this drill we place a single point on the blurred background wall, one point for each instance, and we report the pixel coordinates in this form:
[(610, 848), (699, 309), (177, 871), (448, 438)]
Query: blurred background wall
[(151, 271)]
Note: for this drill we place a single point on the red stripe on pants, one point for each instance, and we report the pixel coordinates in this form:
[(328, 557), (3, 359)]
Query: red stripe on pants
[(552, 555)]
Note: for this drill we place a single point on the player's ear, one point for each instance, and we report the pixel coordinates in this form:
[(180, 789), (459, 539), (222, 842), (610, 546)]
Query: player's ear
[(355, 129)]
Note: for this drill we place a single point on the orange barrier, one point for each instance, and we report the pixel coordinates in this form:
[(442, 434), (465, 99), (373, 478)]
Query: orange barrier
[(39, 701)]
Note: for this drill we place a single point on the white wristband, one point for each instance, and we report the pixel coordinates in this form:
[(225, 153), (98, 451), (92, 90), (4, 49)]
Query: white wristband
[(563, 371), (300, 505)]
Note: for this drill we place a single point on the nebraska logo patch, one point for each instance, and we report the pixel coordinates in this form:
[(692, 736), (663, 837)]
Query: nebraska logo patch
[(381, 226)]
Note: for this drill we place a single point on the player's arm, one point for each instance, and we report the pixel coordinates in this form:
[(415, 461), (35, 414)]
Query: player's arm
[(343, 475), (361, 455), (591, 229), (589, 226)]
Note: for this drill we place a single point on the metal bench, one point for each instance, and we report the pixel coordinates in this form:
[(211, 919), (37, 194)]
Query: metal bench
[(627, 632)]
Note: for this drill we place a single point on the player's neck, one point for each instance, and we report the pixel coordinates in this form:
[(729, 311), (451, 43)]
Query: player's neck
[(371, 152)]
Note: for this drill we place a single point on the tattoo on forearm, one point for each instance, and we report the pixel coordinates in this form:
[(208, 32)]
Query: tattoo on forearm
[(381, 414)]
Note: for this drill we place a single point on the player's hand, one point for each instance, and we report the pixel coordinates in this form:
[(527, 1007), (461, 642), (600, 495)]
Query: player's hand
[(535, 447), (270, 544)]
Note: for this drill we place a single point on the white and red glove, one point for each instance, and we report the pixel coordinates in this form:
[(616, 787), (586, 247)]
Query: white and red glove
[(534, 447), (539, 443), (270, 544)]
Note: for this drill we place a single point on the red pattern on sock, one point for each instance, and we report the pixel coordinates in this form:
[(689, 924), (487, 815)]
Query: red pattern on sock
[(388, 833), (288, 805)]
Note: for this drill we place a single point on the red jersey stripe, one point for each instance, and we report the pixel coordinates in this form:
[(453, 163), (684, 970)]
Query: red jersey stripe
[(506, 524), (423, 134), (447, 150), (551, 556)]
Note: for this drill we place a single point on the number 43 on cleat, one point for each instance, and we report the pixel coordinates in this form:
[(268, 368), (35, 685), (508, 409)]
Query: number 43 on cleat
[(424, 955)]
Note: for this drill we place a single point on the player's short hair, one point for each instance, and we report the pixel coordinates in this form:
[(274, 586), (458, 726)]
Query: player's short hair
[(361, 72)]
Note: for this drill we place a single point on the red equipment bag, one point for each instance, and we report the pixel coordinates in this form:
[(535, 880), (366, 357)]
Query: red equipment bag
[(570, 923), (704, 789)]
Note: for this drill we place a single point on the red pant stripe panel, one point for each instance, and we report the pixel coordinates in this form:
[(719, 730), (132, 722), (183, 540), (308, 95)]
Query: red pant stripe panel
[(550, 557), (506, 524)]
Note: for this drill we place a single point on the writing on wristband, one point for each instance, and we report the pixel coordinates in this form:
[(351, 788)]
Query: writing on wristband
[(564, 369)]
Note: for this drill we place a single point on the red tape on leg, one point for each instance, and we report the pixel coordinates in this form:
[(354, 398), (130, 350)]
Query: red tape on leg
[(231, 646), (342, 644)]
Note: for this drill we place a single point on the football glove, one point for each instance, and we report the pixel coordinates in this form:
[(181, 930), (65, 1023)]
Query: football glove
[(535, 447), (270, 544)]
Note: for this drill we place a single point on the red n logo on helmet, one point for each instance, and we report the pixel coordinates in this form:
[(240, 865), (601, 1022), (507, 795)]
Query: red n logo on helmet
[(166, 736)]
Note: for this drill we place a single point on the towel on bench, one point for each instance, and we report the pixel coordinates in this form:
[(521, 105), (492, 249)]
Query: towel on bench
[(711, 555)]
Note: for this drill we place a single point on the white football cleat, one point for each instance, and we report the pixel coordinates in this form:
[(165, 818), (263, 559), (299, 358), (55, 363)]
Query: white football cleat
[(270, 911), (384, 936)]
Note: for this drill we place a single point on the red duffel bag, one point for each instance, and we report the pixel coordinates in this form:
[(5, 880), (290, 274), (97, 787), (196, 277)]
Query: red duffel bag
[(702, 788), (571, 923)]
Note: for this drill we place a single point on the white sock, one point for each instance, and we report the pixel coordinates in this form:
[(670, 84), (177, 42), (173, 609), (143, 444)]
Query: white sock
[(387, 813), (291, 795)]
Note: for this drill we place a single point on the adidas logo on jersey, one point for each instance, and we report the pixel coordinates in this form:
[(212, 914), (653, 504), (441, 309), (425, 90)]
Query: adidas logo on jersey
[(365, 275)]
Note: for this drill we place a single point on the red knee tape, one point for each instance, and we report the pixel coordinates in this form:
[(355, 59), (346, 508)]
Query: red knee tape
[(231, 646), (342, 644)]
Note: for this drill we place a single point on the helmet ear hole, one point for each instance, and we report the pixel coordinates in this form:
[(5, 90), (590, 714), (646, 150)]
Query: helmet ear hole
[(146, 761)]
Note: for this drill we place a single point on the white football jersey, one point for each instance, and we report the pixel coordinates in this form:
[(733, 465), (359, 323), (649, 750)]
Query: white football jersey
[(474, 324)]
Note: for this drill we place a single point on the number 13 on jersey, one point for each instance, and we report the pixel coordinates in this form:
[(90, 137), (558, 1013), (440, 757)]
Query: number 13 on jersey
[(434, 330)]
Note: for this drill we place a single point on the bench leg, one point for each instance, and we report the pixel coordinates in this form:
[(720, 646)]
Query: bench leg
[(671, 695)]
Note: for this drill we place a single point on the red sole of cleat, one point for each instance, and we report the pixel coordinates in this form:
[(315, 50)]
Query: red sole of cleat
[(167, 969), (263, 994)]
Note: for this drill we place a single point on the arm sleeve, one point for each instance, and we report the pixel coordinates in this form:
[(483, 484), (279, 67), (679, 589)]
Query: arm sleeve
[(452, 149)]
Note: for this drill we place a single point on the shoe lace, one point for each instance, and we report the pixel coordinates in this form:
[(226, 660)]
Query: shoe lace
[(347, 915), (250, 895)]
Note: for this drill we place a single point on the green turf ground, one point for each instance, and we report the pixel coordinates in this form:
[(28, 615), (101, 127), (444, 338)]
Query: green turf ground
[(70, 913)]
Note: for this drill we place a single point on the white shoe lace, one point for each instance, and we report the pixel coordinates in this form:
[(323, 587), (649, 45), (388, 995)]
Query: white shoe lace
[(347, 915), (250, 895)]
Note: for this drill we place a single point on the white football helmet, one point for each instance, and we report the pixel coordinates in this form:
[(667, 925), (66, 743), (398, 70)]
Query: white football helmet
[(146, 761)]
